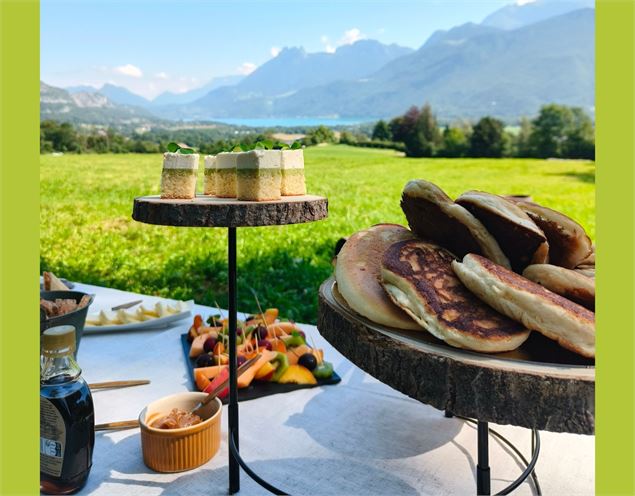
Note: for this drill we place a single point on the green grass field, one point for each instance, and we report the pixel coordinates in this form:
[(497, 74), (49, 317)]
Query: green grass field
[(87, 233)]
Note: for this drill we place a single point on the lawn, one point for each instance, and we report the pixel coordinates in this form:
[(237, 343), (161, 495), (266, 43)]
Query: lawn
[(87, 233)]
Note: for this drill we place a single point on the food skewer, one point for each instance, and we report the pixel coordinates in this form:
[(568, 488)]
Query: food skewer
[(114, 426), (118, 384)]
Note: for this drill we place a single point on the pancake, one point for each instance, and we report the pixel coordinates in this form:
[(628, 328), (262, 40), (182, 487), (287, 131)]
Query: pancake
[(433, 215), (419, 278), (565, 282), (569, 244), (586, 270), (519, 237), (357, 274), (539, 309)]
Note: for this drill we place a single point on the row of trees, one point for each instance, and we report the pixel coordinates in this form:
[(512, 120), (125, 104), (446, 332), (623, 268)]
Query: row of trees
[(558, 131), (63, 137)]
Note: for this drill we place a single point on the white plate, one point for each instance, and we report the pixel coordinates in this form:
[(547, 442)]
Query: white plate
[(159, 322)]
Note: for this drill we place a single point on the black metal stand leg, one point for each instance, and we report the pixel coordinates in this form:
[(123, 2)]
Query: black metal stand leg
[(234, 467), (482, 467)]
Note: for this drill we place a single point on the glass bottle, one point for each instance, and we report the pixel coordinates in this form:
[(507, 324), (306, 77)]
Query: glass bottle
[(67, 420)]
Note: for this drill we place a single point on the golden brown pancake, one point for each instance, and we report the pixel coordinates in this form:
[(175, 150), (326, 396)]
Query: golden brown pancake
[(357, 275), (565, 282), (537, 308), (519, 237), (419, 278), (434, 216), (569, 244)]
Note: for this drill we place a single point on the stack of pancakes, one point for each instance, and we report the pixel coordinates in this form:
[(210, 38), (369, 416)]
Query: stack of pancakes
[(479, 273)]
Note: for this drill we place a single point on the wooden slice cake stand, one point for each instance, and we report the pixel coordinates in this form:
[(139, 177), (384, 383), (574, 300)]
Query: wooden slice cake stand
[(540, 386), (206, 211)]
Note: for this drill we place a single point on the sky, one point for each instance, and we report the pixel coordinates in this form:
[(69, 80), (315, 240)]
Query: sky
[(151, 46)]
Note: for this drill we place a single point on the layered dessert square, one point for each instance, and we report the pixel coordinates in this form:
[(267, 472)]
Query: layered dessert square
[(209, 178), (178, 179), (292, 168), (226, 175), (258, 175)]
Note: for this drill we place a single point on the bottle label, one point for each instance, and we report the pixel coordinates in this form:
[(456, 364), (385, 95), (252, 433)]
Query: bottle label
[(52, 439)]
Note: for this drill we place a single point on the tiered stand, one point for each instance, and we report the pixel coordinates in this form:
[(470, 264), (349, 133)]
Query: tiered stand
[(206, 211), (540, 386)]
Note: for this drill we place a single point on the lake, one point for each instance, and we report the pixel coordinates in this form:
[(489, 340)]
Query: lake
[(296, 121)]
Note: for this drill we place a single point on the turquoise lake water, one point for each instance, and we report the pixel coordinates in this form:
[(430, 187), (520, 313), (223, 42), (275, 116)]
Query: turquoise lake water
[(296, 121)]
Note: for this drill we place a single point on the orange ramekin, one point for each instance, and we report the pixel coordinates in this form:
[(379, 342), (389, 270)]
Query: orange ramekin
[(176, 450)]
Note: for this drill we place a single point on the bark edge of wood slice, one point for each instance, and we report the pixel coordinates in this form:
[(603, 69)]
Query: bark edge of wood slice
[(206, 211)]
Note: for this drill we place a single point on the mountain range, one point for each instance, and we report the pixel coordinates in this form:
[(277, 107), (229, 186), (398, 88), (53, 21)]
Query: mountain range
[(85, 107), (519, 58)]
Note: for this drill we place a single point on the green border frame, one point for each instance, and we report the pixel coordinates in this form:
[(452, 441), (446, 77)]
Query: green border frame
[(19, 246), (615, 132)]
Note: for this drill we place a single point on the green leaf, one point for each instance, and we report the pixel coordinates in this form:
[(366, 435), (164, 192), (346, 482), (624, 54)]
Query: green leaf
[(280, 146), (236, 148), (296, 145), (186, 151), (268, 144), (173, 147), (259, 145)]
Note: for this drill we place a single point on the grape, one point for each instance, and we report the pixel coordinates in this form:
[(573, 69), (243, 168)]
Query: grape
[(204, 360), (209, 344), (265, 343), (308, 360), (262, 332), (240, 359)]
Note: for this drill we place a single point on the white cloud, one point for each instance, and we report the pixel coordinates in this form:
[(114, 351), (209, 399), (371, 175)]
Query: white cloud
[(274, 51), (161, 75), (246, 68), (129, 70), (524, 2), (351, 36), (328, 48)]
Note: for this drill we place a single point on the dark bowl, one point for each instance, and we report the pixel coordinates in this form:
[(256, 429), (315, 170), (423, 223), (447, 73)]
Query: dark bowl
[(76, 318)]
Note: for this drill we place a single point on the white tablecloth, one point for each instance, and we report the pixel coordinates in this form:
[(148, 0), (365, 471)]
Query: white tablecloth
[(358, 437)]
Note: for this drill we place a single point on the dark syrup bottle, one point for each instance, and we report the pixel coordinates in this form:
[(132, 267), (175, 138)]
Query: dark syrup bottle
[(67, 421)]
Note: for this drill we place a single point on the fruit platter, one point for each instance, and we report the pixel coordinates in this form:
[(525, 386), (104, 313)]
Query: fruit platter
[(288, 359)]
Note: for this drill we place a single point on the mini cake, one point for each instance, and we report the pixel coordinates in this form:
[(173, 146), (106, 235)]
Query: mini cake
[(209, 180), (178, 179), (292, 168), (226, 175), (258, 175)]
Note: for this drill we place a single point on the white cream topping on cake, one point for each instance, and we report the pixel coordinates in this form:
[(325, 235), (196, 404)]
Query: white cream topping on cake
[(210, 161), (259, 159), (180, 161), (292, 159), (226, 160)]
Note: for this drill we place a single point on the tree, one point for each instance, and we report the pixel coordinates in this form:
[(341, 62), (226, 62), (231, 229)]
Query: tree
[(455, 143), (580, 142), (320, 134), (488, 138), (550, 130), (522, 141), (397, 129), (62, 137), (347, 138), (381, 131)]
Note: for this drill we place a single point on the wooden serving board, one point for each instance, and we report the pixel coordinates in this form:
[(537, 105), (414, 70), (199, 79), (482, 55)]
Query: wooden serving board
[(209, 211), (539, 386)]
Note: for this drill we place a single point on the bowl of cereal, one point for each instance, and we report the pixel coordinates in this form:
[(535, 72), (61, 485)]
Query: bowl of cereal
[(174, 440)]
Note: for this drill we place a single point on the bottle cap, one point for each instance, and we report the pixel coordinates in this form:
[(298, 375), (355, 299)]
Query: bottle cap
[(59, 338)]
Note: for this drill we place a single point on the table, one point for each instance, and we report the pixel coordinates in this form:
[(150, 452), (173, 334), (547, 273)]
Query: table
[(359, 436)]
